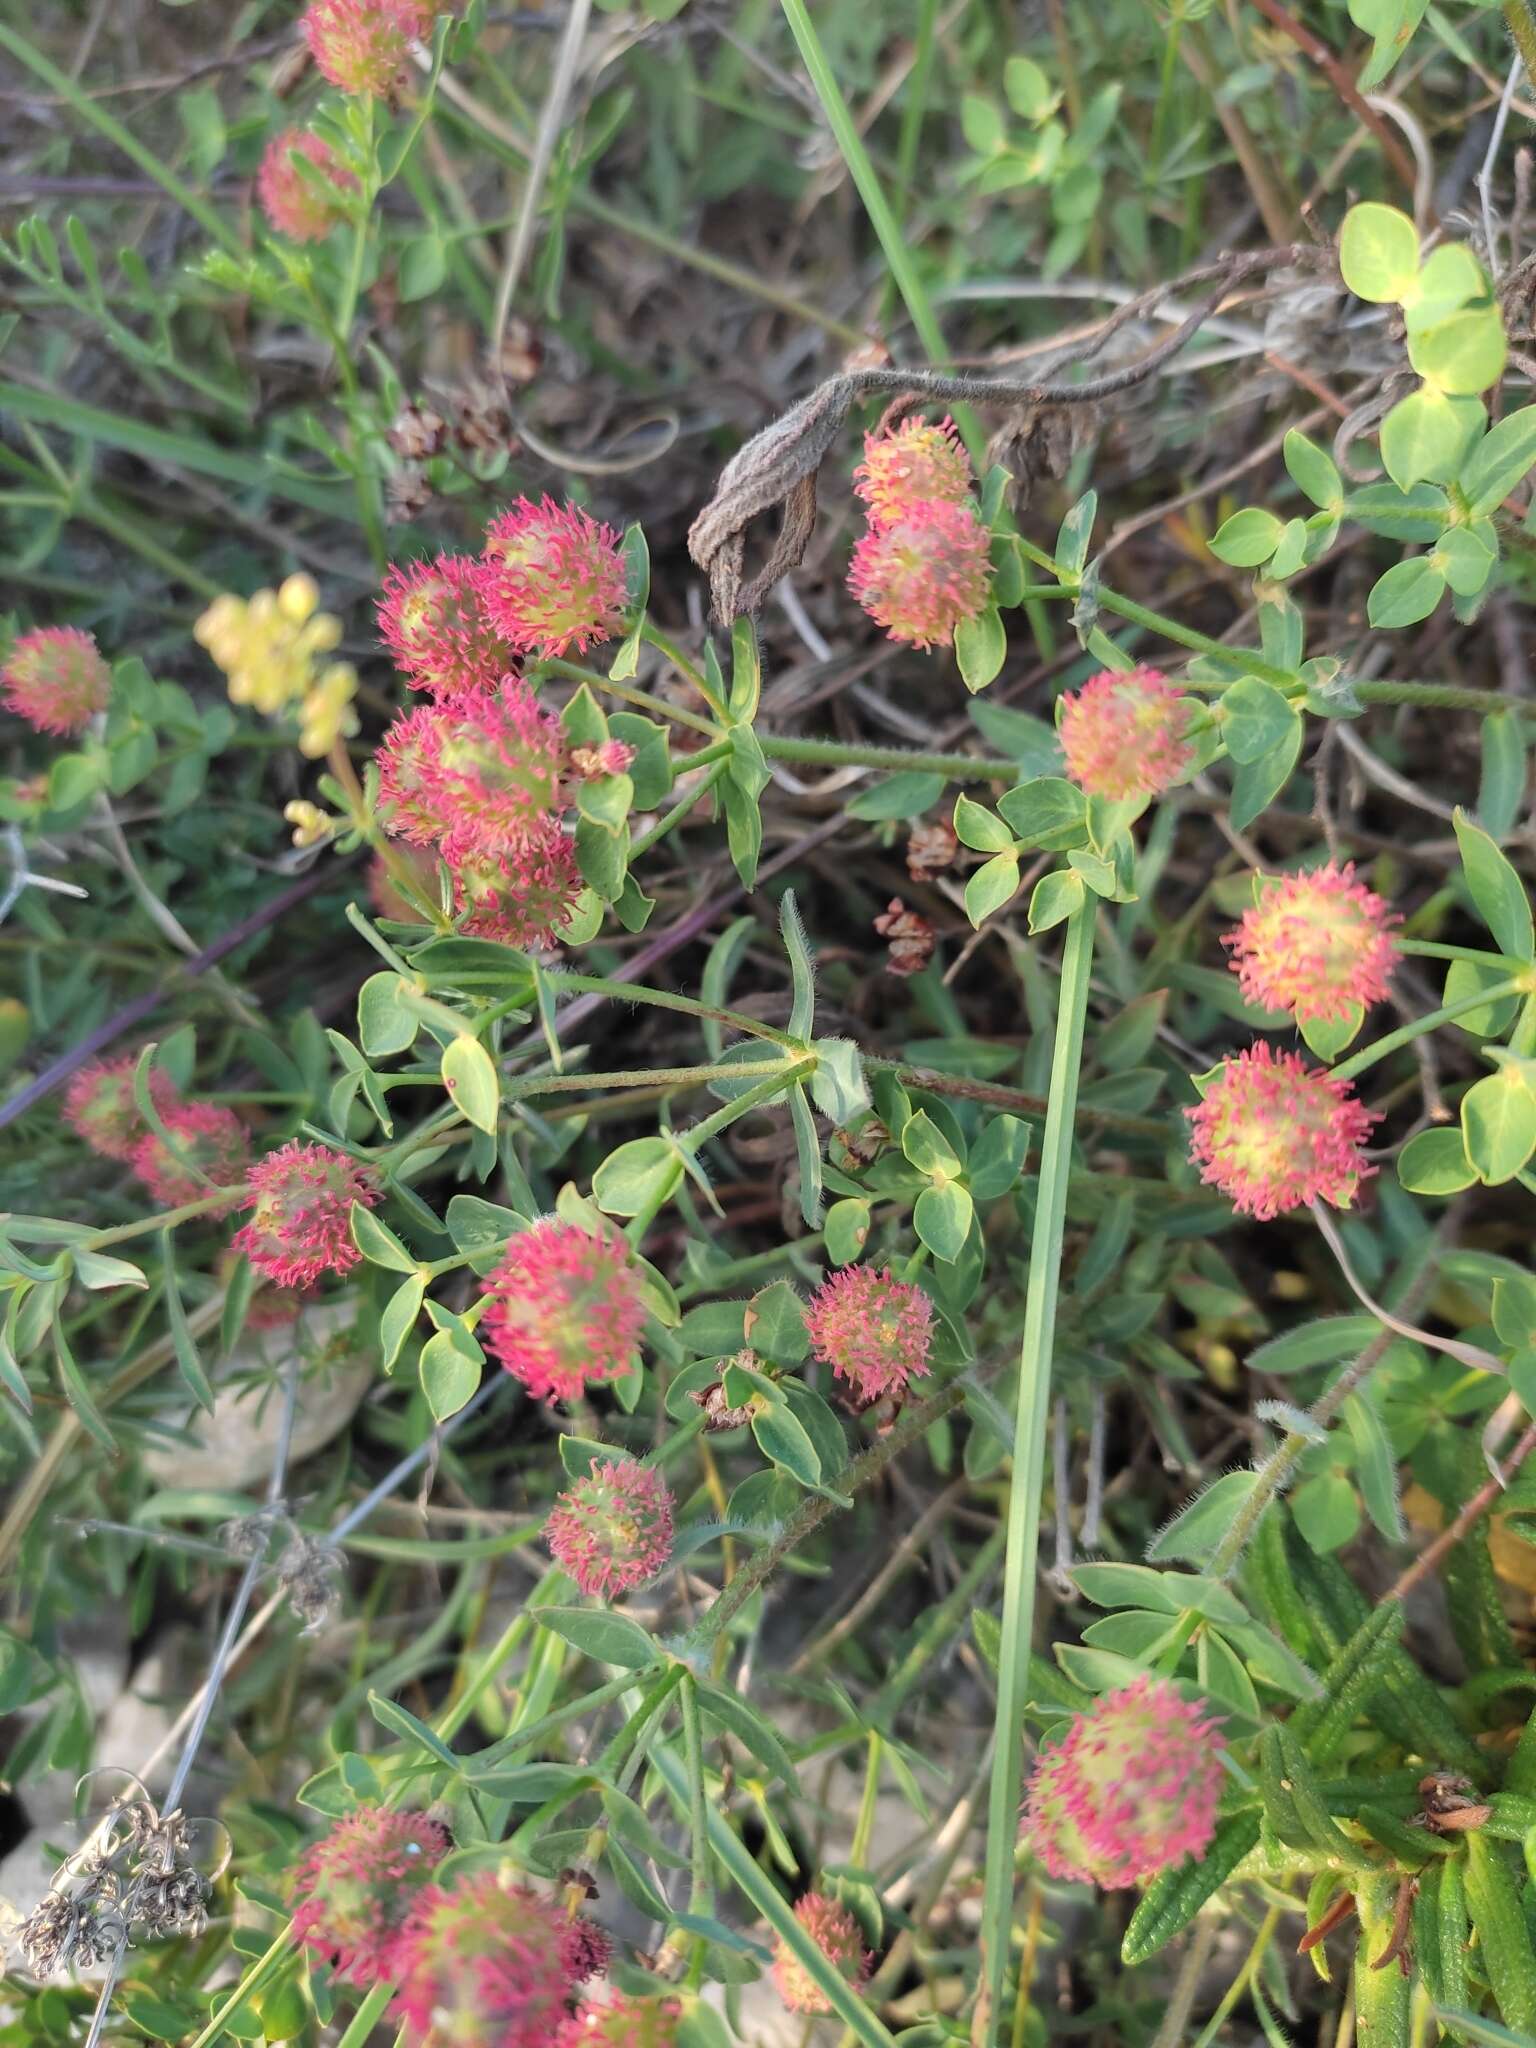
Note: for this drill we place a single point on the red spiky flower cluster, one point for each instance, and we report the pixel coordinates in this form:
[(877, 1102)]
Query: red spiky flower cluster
[(301, 1197), (364, 46), (624, 2023), (586, 1949), (926, 573), (1315, 944), (612, 1530), (871, 1328), (210, 1136), (295, 205), (551, 578), (566, 1309), (478, 772), (482, 1964), (839, 1937), (1123, 734), (1130, 1790), (100, 1109), (356, 1888), (915, 463), (55, 678), (432, 621), (1275, 1134)]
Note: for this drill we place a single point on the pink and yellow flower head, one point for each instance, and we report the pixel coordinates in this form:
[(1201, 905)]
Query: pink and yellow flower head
[(295, 205), (586, 1949), (364, 46), (914, 463), (566, 1310), (478, 771), (1131, 1789), (612, 1530), (56, 679), (1123, 734), (482, 1964), (522, 897), (432, 621), (301, 1197), (356, 1888), (872, 1329), (1315, 944), (624, 2023), (551, 578), (210, 1136), (1275, 1134), (841, 1940), (925, 574), (100, 1108)]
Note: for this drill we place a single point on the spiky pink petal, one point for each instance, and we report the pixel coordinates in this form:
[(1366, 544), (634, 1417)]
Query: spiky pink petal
[(1123, 734), (612, 1529), (911, 464), (871, 1328), (551, 578), (294, 204), (1274, 1134), (925, 574), (100, 1108), (355, 1889), (566, 1310), (211, 1135), (481, 1964), (587, 1949), (624, 2023), (479, 771), (522, 897), (56, 679), (839, 1937), (1315, 944), (1130, 1790), (432, 621), (302, 1198), (364, 46)]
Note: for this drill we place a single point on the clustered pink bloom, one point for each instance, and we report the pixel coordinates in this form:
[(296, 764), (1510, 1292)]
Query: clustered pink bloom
[(302, 1197), (210, 1135), (1123, 734), (914, 463), (55, 678), (478, 771), (100, 1109), (624, 2023), (612, 1530), (926, 574), (1275, 1134), (482, 1964), (432, 621), (1130, 1790), (356, 1888), (295, 205), (522, 897), (551, 578), (839, 1937), (566, 1309), (1315, 944), (586, 1949), (364, 46), (871, 1328)]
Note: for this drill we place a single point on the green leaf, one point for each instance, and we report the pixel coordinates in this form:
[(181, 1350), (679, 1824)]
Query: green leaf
[(384, 1025), (1496, 890), (1498, 1125), (1375, 1466), (472, 1082), (78, 1393), (1323, 1342), (1247, 538), (926, 1147), (188, 1364), (399, 1319), (1378, 253), (1408, 592), (979, 828), (1464, 354), (97, 1269), (1076, 534), (902, 796), (997, 1158), (1255, 718), (1435, 1162), (1048, 812), (994, 884), (807, 1156), (838, 1085), (1500, 461), (1504, 1941), (781, 1438), (636, 1176), (802, 969), (605, 1638), (73, 780), (1426, 435), (942, 1217), (1257, 783), (981, 647), (1198, 1529), (1175, 1896), (1328, 1036), (773, 1323), (401, 1721), (981, 124), (743, 831), (1055, 898), (423, 267), (1314, 473), (378, 1243), (449, 1375), (1501, 791), (846, 1230), (751, 1729)]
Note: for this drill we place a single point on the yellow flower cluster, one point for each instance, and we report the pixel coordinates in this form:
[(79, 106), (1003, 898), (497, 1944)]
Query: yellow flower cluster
[(271, 647), (310, 824)]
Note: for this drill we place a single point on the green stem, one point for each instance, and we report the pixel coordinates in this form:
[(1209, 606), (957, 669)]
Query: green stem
[(914, 101), (664, 999), (701, 1896), (835, 754), (688, 670), (165, 1219), (678, 812), (638, 1077), (367, 2017), (629, 693), (1346, 1070), (1029, 1468), (1521, 24), (788, 1072)]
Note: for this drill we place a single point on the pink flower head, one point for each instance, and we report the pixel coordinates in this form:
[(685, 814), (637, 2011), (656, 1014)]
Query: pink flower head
[(210, 1135), (486, 767), (302, 1196), (839, 1937), (551, 578), (433, 623), (871, 1328), (913, 464), (1315, 944), (611, 757), (1130, 1790), (481, 1964), (1123, 734), (612, 1530), (295, 205), (924, 575), (364, 46), (624, 2023), (355, 1889), (409, 797), (1274, 1134), (566, 1310), (522, 897), (56, 680), (99, 1105), (586, 1950)]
